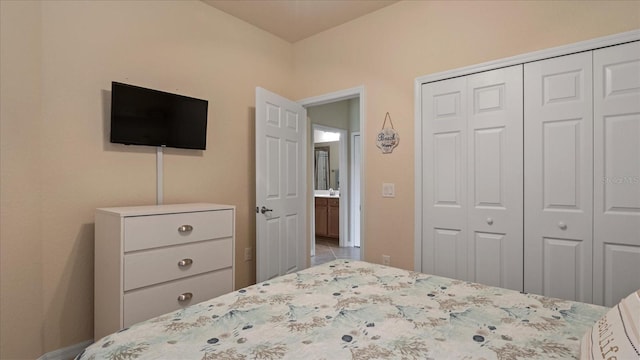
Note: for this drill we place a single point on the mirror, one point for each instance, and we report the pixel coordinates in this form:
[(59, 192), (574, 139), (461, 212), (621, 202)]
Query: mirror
[(321, 161), (326, 159)]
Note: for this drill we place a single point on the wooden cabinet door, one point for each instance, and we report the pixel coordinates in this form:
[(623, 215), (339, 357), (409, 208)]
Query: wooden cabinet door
[(333, 214), (321, 217)]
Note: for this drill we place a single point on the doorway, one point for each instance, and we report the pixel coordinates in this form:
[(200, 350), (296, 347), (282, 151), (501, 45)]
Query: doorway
[(340, 112), (331, 205)]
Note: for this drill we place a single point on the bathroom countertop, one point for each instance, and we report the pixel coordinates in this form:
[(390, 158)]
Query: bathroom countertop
[(328, 196), (325, 194)]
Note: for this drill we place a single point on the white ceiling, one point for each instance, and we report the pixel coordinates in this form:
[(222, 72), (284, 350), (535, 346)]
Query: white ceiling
[(294, 20)]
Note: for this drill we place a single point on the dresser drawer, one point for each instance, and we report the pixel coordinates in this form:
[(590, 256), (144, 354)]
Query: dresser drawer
[(144, 232), (143, 304), (164, 264)]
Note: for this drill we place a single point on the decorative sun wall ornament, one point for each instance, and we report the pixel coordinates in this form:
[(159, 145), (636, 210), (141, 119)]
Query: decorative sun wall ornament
[(388, 138)]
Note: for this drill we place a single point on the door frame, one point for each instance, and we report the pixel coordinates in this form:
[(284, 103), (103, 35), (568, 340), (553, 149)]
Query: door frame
[(346, 94), (353, 205), (587, 45)]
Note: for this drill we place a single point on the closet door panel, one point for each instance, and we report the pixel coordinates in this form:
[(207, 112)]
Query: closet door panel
[(563, 274), (490, 265), (621, 163), (494, 173), (561, 160), (447, 246), (444, 179), (620, 271), (558, 177), (489, 167), (446, 170), (616, 172)]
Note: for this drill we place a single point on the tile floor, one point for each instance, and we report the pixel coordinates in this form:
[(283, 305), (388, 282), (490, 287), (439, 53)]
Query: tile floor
[(328, 250)]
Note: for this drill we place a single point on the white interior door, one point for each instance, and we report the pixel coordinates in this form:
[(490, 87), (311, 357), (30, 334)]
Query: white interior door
[(281, 134), (494, 177), (616, 172), (558, 177)]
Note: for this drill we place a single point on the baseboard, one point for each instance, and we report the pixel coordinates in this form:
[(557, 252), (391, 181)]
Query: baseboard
[(66, 353)]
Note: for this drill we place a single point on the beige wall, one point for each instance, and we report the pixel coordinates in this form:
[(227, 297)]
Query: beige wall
[(386, 50), (21, 301), (58, 61), (59, 57)]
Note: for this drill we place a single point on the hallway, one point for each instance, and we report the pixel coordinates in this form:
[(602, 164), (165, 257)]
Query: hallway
[(328, 250)]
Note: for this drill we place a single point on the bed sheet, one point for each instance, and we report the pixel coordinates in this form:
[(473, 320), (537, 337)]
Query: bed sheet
[(357, 310)]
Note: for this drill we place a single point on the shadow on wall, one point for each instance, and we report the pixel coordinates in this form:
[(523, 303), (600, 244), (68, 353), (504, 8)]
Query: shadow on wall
[(74, 291)]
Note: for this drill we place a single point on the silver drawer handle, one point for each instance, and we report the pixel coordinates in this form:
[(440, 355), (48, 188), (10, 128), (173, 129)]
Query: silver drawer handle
[(185, 297), (562, 225), (185, 262), (185, 228)]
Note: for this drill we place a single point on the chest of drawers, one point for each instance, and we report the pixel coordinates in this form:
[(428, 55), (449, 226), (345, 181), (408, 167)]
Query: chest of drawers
[(150, 260)]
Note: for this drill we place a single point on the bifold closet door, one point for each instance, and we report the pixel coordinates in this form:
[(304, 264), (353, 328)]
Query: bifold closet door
[(444, 222), (558, 177), (616, 172), (494, 177), (472, 174)]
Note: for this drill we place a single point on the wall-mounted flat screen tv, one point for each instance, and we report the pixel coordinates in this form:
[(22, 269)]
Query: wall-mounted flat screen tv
[(141, 116)]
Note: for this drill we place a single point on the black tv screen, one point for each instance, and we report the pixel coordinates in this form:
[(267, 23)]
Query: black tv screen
[(141, 116)]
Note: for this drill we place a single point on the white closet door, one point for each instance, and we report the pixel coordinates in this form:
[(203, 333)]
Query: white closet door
[(616, 172), (558, 177), (494, 177), (444, 248), (472, 173)]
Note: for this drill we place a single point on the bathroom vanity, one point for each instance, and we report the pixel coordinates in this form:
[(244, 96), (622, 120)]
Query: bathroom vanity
[(327, 216)]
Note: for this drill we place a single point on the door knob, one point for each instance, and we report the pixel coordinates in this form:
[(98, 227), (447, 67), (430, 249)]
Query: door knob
[(264, 210)]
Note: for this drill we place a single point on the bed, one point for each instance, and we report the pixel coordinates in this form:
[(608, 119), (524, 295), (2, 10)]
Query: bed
[(349, 309)]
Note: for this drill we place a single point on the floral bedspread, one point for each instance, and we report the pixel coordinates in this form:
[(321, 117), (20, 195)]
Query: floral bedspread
[(356, 310)]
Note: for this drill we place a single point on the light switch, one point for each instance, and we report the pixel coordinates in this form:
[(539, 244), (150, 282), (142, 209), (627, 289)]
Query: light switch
[(388, 190)]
